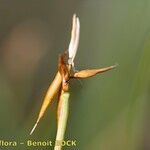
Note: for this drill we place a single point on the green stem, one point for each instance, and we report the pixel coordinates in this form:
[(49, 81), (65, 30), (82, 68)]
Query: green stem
[(62, 119)]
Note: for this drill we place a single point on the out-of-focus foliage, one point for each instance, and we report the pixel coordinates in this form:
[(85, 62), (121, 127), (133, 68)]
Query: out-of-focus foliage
[(108, 112)]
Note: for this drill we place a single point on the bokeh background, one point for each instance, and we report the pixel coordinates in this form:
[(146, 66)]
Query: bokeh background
[(107, 112)]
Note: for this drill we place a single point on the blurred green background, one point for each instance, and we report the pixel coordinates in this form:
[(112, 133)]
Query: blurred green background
[(107, 112)]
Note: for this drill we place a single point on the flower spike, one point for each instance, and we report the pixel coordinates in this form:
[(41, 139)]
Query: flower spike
[(74, 42)]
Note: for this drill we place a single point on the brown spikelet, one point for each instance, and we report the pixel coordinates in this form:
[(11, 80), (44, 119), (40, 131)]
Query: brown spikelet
[(51, 92), (91, 72)]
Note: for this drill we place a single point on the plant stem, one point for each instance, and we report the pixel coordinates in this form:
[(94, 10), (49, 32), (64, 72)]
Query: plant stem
[(63, 108)]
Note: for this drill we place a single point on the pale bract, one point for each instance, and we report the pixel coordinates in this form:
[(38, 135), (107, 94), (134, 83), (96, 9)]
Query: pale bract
[(74, 42)]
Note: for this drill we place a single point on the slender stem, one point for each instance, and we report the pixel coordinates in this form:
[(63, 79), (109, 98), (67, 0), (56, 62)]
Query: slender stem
[(63, 108)]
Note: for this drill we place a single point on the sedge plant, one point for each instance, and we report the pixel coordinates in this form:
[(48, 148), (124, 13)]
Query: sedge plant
[(60, 84)]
